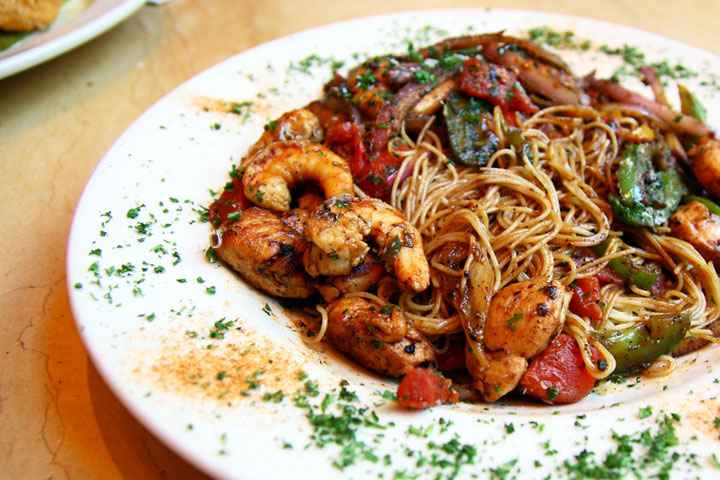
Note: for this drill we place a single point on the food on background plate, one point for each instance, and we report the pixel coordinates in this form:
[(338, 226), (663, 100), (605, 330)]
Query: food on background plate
[(474, 219), (24, 15)]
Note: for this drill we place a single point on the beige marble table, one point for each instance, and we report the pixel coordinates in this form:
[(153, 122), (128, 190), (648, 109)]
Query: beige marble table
[(57, 417)]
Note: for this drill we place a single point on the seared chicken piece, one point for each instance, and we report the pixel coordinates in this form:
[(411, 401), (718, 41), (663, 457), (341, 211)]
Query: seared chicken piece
[(362, 278), (267, 253), (524, 317), (694, 223), (379, 338)]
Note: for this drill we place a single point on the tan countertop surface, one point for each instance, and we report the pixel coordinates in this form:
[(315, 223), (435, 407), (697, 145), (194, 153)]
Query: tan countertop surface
[(58, 419)]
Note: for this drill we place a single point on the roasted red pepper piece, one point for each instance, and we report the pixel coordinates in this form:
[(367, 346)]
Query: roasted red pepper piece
[(229, 206), (453, 358), (586, 300), (346, 139), (608, 275), (558, 374), (497, 85), (374, 174), (423, 388)]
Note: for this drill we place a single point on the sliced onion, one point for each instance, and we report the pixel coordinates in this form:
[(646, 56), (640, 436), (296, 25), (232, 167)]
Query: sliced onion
[(653, 81), (532, 78), (675, 120)]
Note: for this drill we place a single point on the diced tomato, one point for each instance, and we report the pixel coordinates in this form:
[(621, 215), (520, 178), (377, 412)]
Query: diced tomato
[(382, 170), (496, 84), (346, 139), (423, 388), (586, 300), (558, 374), (375, 174), (453, 358), (231, 201)]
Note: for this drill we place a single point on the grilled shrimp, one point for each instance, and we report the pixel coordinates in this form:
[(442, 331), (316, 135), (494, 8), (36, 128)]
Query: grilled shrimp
[(300, 124), (695, 224), (277, 167), (266, 252), (337, 231), (705, 159), (379, 338), (524, 317)]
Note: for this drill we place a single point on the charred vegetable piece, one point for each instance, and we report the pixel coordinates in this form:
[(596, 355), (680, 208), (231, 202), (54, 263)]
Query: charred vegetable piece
[(518, 141), (424, 388), (468, 123), (495, 84), (643, 276), (690, 105), (558, 374), (646, 197), (636, 348)]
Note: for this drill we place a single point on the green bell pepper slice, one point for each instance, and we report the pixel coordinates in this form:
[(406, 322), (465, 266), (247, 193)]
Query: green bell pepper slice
[(646, 197), (637, 347), (643, 276), (8, 39), (711, 206), (690, 105), (467, 121)]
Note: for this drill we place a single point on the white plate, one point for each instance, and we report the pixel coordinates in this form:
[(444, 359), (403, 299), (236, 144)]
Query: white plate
[(79, 22), (149, 333)]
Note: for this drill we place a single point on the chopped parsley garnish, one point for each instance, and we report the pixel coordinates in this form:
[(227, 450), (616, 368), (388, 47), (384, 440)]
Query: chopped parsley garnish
[(645, 412), (393, 249), (654, 460), (220, 327), (552, 393), (559, 40), (511, 321), (134, 212)]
